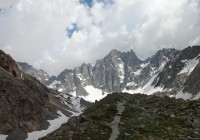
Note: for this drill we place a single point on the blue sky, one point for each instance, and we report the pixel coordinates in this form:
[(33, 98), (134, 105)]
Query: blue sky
[(87, 2), (72, 29)]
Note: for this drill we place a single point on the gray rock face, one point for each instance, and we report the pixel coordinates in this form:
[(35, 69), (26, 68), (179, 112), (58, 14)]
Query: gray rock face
[(80, 91), (192, 84), (67, 81), (98, 78)]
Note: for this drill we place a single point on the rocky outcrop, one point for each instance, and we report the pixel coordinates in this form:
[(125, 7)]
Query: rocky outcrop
[(9, 65)]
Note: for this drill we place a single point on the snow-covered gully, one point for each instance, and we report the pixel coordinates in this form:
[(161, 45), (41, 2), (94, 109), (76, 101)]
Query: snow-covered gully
[(114, 124)]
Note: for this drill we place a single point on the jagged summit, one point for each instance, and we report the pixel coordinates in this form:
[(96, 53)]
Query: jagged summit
[(114, 52)]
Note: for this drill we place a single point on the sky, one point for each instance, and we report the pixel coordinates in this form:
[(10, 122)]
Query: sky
[(58, 34)]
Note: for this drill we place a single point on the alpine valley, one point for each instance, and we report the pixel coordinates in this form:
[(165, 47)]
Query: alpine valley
[(152, 99)]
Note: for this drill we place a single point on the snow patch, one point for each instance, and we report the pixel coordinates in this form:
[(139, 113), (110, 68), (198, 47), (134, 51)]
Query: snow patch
[(148, 84), (121, 72), (76, 104), (80, 76), (73, 93), (3, 137), (162, 66), (94, 94), (189, 65), (172, 96), (54, 124), (60, 90), (65, 96), (131, 84), (151, 90), (183, 95), (144, 65), (196, 97), (187, 96), (183, 61), (137, 72)]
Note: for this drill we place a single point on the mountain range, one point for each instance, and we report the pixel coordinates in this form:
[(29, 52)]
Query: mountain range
[(170, 72)]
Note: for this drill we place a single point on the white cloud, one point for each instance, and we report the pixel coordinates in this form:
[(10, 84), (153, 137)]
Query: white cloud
[(35, 30)]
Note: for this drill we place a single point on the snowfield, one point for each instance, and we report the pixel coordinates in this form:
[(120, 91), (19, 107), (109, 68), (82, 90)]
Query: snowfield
[(54, 124), (184, 96), (3, 137), (121, 71), (94, 94)]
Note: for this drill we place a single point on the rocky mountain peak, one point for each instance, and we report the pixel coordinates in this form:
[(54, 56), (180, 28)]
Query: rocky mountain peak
[(114, 52), (162, 56), (130, 57), (8, 64), (66, 71)]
